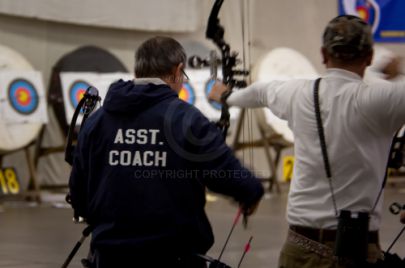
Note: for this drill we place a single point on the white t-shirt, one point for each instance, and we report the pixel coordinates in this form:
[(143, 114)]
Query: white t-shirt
[(359, 122)]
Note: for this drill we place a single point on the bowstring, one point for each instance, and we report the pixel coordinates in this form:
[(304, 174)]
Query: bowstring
[(246, 59)]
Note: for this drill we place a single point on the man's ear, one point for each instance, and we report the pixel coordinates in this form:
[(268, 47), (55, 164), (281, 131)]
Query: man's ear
[(176, 72), (179, 69), (369, 58)]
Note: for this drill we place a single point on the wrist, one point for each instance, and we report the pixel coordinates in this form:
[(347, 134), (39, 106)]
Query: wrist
[(225, 95)]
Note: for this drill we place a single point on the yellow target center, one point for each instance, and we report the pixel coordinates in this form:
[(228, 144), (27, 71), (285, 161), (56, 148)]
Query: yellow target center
[(23, 96), (183, 94), (81, 94)]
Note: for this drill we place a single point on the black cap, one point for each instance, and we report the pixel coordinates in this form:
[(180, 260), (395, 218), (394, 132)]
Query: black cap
[(347, 37)]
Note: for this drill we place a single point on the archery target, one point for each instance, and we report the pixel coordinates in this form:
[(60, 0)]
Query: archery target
[(187, 93), (23, 96), (282, 64), (75, 84), (208, 87), (76, 92), (19, 129), (12, 60), (201, 84)]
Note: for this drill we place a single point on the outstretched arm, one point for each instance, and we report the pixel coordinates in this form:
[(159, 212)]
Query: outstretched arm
[(221, 171), (253, 96)]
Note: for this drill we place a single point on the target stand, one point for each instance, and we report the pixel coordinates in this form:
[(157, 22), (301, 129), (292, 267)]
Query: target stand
[(24, 100), (32, 192), (269, 140), (62, 100)]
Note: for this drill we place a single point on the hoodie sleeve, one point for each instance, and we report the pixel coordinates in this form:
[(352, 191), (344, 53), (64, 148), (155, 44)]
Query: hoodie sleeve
[(221, 171)]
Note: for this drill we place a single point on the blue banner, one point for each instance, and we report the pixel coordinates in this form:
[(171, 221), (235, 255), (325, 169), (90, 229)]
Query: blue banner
[(386, 17)]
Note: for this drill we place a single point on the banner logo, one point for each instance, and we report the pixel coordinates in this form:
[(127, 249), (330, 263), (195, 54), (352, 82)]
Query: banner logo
[(386, 17), (367, 10)]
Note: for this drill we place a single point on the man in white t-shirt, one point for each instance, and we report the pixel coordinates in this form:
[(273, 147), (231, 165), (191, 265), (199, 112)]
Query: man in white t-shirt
[(359, 121)]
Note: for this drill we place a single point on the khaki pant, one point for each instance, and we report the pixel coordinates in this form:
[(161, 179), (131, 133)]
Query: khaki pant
[(295, 256)]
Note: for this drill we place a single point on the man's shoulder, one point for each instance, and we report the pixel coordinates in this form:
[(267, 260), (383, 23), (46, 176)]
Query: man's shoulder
[(189, 117), (92, 120), (188, 109)]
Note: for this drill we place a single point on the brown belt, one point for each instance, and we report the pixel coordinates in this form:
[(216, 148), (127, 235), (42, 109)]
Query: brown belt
[(308, 244), (326, 235)]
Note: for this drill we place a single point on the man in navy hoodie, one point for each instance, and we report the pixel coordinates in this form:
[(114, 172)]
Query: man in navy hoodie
[(142, 165)]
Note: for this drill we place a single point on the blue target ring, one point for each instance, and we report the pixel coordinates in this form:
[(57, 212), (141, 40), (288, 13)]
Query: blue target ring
[(208, 88), (76, 92), (187, 93), (23, 96)]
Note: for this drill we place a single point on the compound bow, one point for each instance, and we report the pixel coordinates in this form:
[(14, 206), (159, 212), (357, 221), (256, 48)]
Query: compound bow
[(229, 60)]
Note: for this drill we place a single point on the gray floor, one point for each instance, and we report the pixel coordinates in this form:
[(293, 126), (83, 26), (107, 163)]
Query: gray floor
[(40, 236)]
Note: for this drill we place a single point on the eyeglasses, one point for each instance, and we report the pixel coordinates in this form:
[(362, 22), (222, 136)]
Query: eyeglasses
[(186, 78)]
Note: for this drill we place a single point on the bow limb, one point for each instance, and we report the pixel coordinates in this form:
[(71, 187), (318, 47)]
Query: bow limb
[(215, 32)]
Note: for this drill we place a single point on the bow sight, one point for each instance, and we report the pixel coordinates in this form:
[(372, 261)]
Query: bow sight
[(215, 32), (229, 60)]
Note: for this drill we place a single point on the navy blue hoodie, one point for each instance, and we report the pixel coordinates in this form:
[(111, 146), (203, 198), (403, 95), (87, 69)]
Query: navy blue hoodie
[(141, 166)]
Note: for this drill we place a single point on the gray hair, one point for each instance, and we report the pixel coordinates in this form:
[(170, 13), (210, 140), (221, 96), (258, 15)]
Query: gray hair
[(157, 56)]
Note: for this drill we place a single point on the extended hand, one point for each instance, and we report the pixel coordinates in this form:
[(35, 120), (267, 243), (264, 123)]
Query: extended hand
[(249, 210), (217, 90), (392, 69)]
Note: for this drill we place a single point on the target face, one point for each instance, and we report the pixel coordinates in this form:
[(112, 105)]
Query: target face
[(208, 88), (23, 96), (187, 93), (76, 92)]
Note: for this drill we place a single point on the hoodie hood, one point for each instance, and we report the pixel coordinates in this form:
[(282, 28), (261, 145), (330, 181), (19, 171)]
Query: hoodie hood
[(137, 95)]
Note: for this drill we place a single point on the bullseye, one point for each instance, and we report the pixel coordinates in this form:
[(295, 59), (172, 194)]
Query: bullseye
[(76, 92), (187, 93)]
